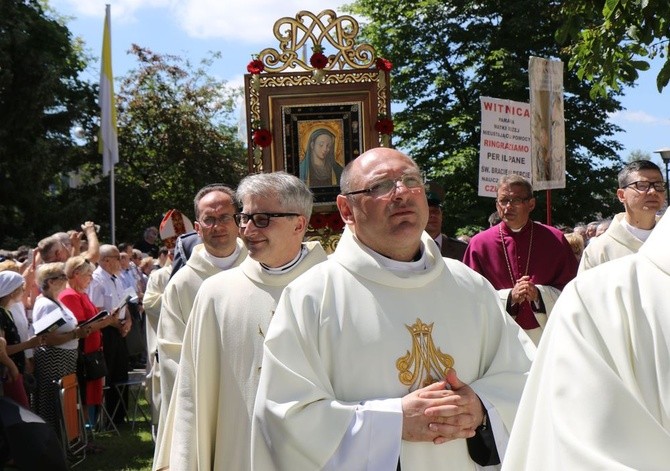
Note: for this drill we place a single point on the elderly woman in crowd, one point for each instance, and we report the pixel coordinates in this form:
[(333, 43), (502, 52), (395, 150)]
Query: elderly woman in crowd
[(58, 357), (11, 291), (20, 317), (79, 272)]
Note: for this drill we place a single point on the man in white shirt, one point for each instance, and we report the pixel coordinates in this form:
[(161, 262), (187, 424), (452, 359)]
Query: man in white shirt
[(361, 358), (642, 193), (106, 292), (208, 425)]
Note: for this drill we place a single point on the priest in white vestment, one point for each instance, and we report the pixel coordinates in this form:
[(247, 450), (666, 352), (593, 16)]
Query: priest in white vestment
[(356, 356), (220, 250), (208, 424), (598, 395), (642, 193)]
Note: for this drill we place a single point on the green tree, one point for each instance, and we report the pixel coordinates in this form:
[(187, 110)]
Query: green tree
[(448, 54), (611, 40), (176, 134), (638, 154), (41, 99)]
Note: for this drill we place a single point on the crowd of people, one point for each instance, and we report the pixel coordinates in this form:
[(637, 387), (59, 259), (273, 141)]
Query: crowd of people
[(402, 349), (58, 311)]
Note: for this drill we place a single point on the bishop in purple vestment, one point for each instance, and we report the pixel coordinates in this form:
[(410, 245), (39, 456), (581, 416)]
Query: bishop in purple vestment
[(527, 262)]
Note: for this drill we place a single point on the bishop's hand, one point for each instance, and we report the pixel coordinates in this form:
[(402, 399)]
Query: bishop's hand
[(524, 290)]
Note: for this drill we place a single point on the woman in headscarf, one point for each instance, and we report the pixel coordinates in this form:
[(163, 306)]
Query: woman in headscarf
[(11, 291), (319, 167)]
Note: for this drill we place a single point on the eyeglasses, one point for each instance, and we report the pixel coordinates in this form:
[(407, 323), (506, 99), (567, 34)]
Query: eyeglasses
[(117, 257), (385, 188), (260, 220), (513, 201), (644, 187), (211, 221)]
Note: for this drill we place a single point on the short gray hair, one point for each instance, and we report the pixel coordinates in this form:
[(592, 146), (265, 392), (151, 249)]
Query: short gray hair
[(48, 246), (47, 271), (291, 192), (108, 250), (515, 179)]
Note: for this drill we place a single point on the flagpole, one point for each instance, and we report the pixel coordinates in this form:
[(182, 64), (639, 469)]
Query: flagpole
[(108, 141), (112, 206)]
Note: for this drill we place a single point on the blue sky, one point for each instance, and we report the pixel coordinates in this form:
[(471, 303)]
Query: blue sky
[(191, 28)]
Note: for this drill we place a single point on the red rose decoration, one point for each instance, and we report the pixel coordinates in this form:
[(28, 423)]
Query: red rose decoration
[(256, 66), (384, 126), (318, 60), (262, 138), (318, 221), (383, 64), (335, 222)]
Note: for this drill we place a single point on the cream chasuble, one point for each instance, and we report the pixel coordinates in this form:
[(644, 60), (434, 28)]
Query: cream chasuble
[(350, 331), (616, 242), (208, 424), (176, 308), (598, 395)]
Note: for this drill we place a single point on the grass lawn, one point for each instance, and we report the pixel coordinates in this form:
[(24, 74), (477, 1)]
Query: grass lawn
[(132, 450)]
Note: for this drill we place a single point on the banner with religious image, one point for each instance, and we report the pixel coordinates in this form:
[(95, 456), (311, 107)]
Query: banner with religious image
[(505, 142), (547, 123)]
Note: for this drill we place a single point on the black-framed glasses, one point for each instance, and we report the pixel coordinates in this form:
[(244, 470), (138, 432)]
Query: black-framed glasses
[(385, 188), (211, 221), (644, 186), (260, 220), (513, 201)]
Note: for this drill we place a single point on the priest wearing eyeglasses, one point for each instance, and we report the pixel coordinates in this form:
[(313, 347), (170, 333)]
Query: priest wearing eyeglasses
[(387, 355), (642, 193), (221, 249), (208, 424), (529, 263)]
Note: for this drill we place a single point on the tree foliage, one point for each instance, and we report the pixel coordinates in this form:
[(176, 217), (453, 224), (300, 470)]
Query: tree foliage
[(609, 41), (176, 134), (41, 99), (446, 55)]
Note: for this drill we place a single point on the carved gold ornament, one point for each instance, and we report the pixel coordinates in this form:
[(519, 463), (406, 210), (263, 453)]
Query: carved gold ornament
[(425, 364), (324, 29), (313, 50)]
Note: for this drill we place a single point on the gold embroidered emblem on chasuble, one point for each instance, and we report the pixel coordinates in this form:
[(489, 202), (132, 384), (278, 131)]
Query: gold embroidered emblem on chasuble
[(425, 364)]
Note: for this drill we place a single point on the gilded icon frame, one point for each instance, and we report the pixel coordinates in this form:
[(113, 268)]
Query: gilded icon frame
[(284, 104)]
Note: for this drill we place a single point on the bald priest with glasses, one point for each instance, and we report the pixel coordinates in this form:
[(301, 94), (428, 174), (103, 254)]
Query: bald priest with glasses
[(642, 193), (527, 262), (387, 355)]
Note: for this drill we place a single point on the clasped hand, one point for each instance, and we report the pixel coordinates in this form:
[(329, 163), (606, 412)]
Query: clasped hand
[(436, 414), (524, 290)]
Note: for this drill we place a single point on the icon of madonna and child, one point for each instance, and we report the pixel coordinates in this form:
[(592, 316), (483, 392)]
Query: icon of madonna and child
[(320, 167)]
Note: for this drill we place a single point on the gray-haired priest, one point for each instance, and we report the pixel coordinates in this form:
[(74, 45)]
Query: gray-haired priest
[(209, 420)]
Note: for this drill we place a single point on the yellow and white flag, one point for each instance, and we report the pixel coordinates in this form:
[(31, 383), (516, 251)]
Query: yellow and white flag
[(108, 144)]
